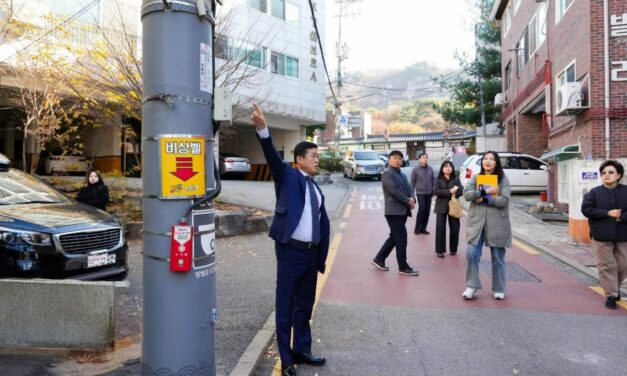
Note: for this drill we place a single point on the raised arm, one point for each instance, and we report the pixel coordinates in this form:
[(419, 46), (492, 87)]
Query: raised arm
[(274, 160)]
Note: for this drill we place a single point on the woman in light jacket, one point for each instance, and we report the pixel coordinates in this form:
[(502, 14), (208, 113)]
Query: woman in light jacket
[(446, 185), (606, 209), (488, 223)]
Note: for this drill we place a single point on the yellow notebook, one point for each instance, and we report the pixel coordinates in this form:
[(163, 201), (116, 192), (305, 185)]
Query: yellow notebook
[(487, 181)]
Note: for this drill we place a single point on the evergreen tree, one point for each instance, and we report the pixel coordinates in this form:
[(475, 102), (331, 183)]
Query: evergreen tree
[(464, 107)]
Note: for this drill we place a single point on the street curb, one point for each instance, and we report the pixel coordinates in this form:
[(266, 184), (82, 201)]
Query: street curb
[(252, 355)]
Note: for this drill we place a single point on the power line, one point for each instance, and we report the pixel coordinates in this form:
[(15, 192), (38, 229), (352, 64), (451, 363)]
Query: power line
[(71, 18), (324, 62), (452, 75)]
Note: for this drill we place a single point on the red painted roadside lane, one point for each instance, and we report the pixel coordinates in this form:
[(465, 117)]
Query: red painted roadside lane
[(441, 282)]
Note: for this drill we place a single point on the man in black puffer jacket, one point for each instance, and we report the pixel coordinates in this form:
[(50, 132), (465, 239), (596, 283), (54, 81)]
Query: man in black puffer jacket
[(605, 207)]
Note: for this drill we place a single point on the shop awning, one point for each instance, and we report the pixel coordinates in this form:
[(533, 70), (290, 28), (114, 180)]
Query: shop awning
[(562, 153)]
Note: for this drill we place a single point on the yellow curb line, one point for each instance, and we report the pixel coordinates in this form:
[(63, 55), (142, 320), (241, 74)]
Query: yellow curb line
[(600, 291), (525, 247)]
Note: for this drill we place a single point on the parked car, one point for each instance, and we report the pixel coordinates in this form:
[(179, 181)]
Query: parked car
[(45, 234), (385, 155), (233, 165), (66, 164), (525, 172), (362, 164)]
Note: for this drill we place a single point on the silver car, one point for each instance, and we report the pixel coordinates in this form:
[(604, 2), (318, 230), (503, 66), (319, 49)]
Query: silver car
[(362, 164), (234, 165)]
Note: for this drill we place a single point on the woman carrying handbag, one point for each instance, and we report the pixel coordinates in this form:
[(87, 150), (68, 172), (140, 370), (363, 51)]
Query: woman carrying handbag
[(447, 189)]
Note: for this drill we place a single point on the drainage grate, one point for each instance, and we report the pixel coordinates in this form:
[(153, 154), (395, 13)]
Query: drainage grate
[(513, 272)]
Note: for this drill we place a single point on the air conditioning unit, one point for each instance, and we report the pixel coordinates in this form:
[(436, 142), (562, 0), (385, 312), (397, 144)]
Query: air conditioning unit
[(500, 99), (569, 99)]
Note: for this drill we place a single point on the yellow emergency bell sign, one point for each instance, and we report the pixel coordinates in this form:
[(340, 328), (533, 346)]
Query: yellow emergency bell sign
[(182, 160)]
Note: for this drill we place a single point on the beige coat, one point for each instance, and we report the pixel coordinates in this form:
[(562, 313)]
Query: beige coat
[(492, 219)]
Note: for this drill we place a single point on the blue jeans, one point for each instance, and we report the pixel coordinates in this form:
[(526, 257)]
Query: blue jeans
[(473, 256)]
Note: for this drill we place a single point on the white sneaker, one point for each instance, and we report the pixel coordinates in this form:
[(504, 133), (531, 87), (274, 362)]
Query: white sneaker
[(469, 293), (499, 295)]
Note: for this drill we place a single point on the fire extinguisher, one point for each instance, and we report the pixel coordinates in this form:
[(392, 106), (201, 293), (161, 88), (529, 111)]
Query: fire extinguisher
[(181, 247)]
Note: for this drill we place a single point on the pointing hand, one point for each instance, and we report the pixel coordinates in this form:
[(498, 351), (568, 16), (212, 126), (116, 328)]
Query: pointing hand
[(257, 117)]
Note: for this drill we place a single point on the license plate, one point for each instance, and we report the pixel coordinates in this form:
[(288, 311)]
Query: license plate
[(100, 260)]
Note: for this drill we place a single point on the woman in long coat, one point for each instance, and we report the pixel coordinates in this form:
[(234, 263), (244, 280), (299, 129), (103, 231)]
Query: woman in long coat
[(446, 186), (488, 223)]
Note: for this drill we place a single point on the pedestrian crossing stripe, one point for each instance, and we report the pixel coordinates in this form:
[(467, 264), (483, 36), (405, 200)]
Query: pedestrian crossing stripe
[(599, 290), (525, 247)]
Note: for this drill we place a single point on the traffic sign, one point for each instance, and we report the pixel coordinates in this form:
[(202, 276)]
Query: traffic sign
[(343, 120), (182, 160)]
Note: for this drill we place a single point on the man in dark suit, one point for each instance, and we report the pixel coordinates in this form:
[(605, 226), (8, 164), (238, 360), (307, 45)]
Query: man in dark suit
[(399, 201), (301, 232)]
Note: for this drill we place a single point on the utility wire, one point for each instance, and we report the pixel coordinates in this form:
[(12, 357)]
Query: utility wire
[(324, 62), (63, 23), (452, 75)]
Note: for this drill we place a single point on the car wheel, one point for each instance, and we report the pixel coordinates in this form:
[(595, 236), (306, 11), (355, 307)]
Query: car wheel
[(379, 177), (344, 171)]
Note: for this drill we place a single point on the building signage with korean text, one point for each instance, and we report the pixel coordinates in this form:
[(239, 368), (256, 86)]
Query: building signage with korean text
[(593, 175), (182, 160), (618, 29)]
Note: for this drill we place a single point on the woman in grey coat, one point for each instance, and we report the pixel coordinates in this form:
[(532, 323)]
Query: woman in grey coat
[(488, 223)]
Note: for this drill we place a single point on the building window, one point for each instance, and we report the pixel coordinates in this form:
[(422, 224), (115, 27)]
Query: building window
[(291, 67), (278, 8), (82, 10), (567, 75), (522, 51), (507, 20), (537, 29), (507, 80), (516, 5), (249, 54), (561, 6), (221, 47), (287, 10), (284, 65), (563, 194), (260, 5)]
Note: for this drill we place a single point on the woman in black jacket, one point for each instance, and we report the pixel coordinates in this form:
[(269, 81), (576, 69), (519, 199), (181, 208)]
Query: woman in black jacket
[(445, 186), (606, 209), (95, 193)]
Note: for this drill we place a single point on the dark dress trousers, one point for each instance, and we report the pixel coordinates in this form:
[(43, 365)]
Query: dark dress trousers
[(396, 195), (297, 265), (441, 189)]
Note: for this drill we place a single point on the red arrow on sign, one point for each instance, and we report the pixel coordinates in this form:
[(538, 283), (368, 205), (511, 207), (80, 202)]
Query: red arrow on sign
[(184, 168)]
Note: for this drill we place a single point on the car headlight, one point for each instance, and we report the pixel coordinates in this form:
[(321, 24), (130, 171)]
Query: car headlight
[(12, 236)]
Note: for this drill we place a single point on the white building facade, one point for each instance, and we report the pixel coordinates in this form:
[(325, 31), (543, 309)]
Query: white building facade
[(281, 68)]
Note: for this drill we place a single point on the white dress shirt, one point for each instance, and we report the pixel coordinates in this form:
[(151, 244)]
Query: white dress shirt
[(303, 231)]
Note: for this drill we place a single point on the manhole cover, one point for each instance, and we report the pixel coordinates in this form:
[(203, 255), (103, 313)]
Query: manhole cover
[(513, 272)]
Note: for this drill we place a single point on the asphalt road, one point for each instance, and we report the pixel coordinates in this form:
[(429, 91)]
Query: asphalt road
[(371, 323)]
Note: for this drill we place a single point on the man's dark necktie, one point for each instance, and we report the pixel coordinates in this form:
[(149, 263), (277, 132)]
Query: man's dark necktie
[(315, 211)]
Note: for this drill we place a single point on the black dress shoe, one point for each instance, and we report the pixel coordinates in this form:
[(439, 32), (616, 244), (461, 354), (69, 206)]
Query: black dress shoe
[(288, 370), (440, 254), (425, 232), (307, 358)]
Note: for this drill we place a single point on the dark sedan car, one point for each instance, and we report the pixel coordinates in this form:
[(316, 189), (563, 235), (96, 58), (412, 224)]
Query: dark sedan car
[(45, 234)]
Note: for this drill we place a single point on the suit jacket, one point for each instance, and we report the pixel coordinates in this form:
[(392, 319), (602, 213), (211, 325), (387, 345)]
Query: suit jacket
[(441, 189), (290, 189), (396, 192)]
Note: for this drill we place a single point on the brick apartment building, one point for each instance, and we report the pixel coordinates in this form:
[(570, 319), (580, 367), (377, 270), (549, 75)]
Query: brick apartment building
[(563, 96)]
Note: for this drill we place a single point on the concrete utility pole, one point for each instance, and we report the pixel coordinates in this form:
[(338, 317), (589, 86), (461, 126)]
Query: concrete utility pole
[(178, 180), (341, 56)]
